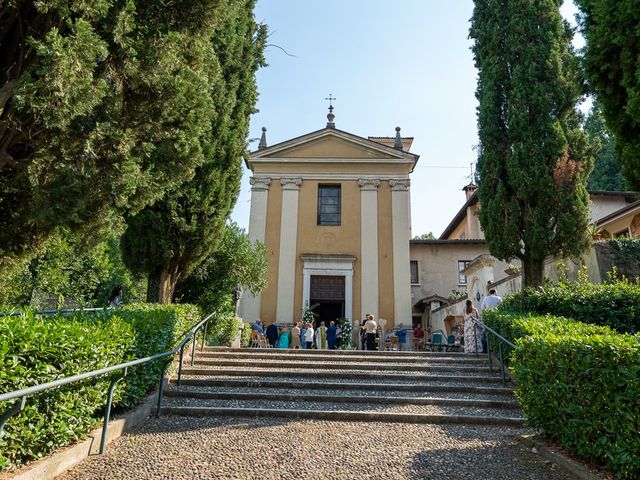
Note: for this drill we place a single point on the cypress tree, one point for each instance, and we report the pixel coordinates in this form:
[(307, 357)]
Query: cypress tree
[(534, 159), (612, 32), (169, 239), (104, 106)]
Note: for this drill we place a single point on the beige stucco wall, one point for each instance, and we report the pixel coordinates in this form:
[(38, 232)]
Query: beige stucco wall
[(272, 243), (328, 240), (438, 267)]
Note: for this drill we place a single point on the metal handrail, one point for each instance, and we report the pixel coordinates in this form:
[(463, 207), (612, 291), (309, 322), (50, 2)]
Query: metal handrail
[(23, 393), (501, 341)]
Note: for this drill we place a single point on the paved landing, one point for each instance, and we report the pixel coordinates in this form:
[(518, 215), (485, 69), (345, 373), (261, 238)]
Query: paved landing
[(265, 448)]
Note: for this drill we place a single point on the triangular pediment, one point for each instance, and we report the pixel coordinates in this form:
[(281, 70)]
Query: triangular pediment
[(332, 147), (331, 143)]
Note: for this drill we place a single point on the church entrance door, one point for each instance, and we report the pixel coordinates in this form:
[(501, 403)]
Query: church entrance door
[(328, 291)]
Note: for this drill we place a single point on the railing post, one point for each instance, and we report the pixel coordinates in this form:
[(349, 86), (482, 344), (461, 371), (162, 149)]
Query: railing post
[(161, 386), (489, 352), (107, 409), (193, 346), (180, 364), (475, 335), (204, 335), (13, 410), (501, 364)]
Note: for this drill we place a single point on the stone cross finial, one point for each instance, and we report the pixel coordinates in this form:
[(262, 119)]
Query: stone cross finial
[(330, 115)]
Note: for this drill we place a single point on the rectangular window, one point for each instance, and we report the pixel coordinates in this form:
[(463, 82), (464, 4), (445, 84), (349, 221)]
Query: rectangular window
[(462, 264), (414, 272), (329, 205)]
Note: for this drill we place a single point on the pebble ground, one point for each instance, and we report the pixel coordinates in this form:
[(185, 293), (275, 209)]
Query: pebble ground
[(237, 448)]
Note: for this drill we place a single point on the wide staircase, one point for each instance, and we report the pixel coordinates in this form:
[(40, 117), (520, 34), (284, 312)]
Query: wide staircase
[(411, 387)]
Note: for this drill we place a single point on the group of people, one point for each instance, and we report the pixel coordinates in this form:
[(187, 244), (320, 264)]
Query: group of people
[(473, 334), (302, 335)]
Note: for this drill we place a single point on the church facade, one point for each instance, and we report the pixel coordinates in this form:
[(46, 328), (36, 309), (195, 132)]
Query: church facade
[(333, 211)]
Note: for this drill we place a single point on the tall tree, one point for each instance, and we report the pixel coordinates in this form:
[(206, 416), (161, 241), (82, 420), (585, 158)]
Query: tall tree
[(104, 106), (612, 32), (607, 171), (236, 262), (533, 158), (170, 238)]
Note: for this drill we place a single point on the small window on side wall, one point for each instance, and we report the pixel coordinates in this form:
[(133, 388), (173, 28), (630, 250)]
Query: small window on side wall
[(462, 264), (414, 272), (329, 205)]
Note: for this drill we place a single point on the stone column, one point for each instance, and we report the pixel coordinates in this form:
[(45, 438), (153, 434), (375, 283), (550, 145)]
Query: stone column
[(288, 247), (249, 304), (369, 245), (401, 225)]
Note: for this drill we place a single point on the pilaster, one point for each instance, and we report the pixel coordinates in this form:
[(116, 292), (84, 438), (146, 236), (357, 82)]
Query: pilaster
[(250, 304), (369, 245), (401, 225)]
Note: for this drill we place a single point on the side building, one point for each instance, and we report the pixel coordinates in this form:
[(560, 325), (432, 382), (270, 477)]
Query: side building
[(333, 210)]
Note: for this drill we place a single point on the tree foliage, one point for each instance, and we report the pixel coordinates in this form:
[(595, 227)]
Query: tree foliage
[(64, 273), (236, 262), (533, 158), (607, 171), (104, 105), (425, 236), (612, 32), (172, 237)]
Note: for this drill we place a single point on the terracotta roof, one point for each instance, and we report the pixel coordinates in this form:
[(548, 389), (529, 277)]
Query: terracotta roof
[(471, 241), (473, 199)]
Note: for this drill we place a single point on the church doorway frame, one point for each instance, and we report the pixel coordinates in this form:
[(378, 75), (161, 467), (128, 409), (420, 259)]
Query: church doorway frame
[(329, 265)]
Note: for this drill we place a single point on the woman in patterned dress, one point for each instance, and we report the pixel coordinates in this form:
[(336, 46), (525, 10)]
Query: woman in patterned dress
[(471, 328)]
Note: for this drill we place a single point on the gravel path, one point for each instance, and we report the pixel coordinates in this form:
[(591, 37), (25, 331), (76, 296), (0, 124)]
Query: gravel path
[(236, 448)]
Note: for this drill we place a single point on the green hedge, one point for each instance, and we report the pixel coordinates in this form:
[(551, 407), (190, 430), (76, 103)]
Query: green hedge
[(35, 349), (616, 305), (580, 384)]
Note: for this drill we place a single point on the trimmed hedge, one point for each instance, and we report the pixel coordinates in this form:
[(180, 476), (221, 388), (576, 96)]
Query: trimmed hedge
[(616, 305), (580, 384), (35, 350)]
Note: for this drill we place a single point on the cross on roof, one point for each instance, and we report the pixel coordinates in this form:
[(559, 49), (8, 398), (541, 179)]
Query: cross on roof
[(331, 98)]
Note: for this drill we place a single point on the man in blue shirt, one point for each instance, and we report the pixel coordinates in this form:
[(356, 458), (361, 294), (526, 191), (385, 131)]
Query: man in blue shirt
[(401, 333), (257, 326)]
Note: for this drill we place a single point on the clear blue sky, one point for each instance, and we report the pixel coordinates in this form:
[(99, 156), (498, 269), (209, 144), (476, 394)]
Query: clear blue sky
[(405, 63)]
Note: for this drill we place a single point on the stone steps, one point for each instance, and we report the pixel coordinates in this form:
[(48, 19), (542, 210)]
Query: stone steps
[(275, 382), (368, 353), (298, 355), (339, 365), (284, 390), (346, 374), (406, 387), (339, 415), (311, 396)]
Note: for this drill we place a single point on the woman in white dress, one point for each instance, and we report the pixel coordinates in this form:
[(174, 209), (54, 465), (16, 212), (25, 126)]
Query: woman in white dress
[(471, 328)]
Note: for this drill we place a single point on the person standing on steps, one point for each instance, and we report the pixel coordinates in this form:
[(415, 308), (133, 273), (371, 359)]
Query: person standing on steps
[(489, 303), (362, 332), (471, 328), (401, 333), (272, 334), (370, 329), (321, 337), (295, 336), (332, 337), (308, 336)]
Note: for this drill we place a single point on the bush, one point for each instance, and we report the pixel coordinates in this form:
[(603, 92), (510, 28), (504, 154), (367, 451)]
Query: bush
[(580, 384), (616, 304), (35, 350), (245, 336)]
